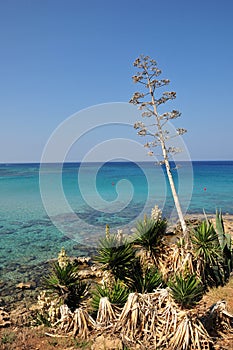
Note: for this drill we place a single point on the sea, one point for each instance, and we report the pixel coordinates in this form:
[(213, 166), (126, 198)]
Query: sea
[(44, 207)]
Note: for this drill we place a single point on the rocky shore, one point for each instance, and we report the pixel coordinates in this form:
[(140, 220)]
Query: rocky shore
[(26, 286), (18, 300)]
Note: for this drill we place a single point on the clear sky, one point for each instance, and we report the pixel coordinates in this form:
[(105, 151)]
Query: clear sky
[(60, 56)]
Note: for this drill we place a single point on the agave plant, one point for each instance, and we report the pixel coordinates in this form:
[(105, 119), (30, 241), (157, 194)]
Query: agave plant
[(117, 294), (190, 334), (149, 235), (64, 282), (208, 253), (144, 280), (116, 256), (186, 291), (225, 244)]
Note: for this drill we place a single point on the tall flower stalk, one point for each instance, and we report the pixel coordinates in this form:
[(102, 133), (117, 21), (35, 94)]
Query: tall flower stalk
[(148, 102)]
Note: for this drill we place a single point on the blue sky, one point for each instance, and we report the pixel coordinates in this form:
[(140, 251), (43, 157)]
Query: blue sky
[(60, 56)]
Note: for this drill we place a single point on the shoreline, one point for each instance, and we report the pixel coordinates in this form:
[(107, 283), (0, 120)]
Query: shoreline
[(26, 287), (20, 308)]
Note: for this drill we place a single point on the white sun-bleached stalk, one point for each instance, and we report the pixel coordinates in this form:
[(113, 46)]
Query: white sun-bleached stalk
[(156, 127)]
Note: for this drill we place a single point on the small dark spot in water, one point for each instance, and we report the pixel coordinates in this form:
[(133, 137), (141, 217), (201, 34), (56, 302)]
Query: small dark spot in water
[(18, 223), (64, 239), (8, 232), (27, 225)]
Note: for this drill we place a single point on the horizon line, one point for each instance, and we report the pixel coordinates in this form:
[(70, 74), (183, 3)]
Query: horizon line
[(118, 161)]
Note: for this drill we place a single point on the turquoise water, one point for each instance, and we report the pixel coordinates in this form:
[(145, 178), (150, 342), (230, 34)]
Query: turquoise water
[(81, 199)]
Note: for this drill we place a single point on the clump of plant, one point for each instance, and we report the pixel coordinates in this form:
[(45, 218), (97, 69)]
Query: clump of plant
[(48, 309), (145, 279), (186, 291), (117, 294), (225, 244), (149, 235), (8, 337), (133, 263), (208, 254), (116, 255), (64, 282)]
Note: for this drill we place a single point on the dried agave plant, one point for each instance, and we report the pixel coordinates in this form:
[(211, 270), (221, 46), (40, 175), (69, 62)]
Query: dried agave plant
[(129, 318), (167, 316), (176, 260), (67, 319), (83, 323), (190, 333), (106, 315), (78, 323), (154, 321), (148, 318)]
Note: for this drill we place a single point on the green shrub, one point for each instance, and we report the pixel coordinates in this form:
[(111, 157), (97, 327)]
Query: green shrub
[(149, 234), (186, 291), (225, 244), (117, 294), (144, 280), (116, 256), (208, 254), (64, 283), (8, 337)]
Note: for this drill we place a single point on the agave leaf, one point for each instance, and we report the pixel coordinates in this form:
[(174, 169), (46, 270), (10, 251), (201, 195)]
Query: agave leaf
[(208, 223), (220, 228), (228, 241)]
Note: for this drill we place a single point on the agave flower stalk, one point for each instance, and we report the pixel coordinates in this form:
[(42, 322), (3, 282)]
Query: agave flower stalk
[(149, 103)]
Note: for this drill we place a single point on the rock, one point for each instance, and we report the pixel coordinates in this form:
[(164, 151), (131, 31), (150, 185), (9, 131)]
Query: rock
[(26, 285), (103, 342), (4, 318), (86, 274), (99, 273), (83, 259)]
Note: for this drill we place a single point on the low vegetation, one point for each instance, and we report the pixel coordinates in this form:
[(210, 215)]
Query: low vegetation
[(151, 291)]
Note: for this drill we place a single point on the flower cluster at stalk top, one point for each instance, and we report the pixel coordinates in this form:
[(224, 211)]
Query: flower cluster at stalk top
[(63, 259), (156, 213)]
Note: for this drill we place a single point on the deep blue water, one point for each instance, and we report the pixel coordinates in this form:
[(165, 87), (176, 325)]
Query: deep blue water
[(81, 199)]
